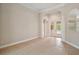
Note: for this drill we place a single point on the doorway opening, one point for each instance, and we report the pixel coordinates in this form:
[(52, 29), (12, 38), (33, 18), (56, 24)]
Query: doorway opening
[(56, 29), (53, 26)]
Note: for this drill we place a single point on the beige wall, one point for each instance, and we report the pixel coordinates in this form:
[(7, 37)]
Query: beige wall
[(18, 23)]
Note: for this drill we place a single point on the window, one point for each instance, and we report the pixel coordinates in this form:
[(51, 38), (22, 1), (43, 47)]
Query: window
[(58, 25)]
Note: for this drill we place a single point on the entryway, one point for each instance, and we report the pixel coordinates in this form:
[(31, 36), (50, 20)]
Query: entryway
[(52, 25)]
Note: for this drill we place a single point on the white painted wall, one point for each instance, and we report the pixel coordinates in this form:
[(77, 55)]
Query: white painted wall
[(17, 23)]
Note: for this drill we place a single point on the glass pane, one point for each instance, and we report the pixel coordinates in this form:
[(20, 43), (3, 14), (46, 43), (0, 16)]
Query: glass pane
[(52, 26), (58, 25)]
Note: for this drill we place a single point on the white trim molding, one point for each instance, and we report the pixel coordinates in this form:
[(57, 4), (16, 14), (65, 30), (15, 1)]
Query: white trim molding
[(29, 39), (73, 45)]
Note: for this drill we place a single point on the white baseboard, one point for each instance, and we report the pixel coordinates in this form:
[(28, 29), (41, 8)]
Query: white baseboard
[(8, 45), (75, 46)]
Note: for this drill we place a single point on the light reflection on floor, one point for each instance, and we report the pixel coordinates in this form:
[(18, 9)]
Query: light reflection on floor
[(59, 42)]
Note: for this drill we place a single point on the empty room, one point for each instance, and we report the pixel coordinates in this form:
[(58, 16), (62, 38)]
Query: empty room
[(39, 28)]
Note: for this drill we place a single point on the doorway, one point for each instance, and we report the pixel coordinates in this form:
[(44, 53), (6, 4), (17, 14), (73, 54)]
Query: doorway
[(56, 28), (53, 26)]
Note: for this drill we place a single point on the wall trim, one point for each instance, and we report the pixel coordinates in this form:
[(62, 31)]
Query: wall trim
[(73, 45), (28, 39)]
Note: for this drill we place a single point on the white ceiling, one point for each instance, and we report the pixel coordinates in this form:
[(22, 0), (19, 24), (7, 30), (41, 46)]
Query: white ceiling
[(40, 6)]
